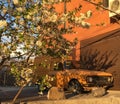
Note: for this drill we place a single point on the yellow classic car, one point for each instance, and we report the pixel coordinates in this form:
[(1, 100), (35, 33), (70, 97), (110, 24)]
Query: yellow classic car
[(77, 80)]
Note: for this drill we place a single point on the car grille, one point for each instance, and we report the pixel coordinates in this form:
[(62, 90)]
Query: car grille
[(100, 81)]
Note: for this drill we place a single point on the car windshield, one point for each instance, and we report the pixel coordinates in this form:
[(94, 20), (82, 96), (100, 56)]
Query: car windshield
[(67, 64)]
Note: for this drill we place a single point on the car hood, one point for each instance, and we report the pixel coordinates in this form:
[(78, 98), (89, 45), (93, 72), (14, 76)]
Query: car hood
[(87, 72)]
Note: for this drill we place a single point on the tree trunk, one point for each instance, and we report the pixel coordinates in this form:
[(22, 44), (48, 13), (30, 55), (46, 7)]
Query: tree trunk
[(18, 93)]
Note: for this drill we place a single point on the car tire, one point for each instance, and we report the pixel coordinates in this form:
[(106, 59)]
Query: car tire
[(75, 87)]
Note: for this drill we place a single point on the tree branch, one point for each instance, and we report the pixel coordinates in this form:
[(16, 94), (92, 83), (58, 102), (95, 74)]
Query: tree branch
[(101, 7)]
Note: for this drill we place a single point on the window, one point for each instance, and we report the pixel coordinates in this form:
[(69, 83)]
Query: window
[(105, 3)]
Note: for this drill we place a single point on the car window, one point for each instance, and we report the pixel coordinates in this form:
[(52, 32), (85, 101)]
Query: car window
[(58, 66), (68, 64)]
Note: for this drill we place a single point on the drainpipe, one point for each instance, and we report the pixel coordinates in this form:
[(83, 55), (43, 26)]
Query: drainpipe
[(65, 10)]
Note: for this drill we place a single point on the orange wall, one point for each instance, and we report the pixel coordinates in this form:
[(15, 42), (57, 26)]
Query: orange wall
[(98, 17)]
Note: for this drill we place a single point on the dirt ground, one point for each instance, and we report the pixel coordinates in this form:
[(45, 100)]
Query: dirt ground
[(112, 97)]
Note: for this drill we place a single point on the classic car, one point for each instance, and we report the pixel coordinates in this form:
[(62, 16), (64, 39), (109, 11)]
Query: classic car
[(78, 80)]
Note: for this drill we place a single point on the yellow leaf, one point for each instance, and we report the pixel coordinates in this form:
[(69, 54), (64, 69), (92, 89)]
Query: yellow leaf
[(15, 2), (19, 9), (3, 23), (39, 43)]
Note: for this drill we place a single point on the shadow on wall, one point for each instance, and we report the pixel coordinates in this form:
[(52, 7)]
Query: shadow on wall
[(97, 60)]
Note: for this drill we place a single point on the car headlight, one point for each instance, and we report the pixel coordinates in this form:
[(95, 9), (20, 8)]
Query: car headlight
[(110, 79), (89, 79)]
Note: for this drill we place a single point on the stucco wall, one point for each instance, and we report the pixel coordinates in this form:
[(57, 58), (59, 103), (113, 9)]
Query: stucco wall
[(98, 17)]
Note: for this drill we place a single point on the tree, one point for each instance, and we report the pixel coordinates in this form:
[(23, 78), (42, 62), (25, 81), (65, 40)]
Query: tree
[(33, 27)]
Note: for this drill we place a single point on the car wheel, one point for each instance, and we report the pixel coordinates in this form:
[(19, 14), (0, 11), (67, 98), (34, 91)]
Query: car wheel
[(75, 87)]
